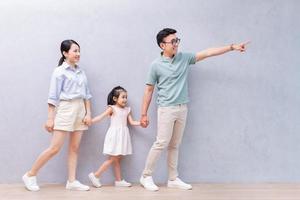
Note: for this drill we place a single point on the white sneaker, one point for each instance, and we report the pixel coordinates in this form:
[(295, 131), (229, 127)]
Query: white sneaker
[(122, 183), (76, 185), (30, 183), (177, 183), (95, 181), (148, 184)]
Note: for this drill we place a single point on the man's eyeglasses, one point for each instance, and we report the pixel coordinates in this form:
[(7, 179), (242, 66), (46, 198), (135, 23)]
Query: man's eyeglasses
[(174, 41)]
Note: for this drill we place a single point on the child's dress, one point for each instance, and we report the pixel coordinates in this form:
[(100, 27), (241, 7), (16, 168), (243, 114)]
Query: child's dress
[(117, 140)]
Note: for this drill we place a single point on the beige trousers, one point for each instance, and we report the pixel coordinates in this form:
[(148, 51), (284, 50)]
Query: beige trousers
[(170, 127)]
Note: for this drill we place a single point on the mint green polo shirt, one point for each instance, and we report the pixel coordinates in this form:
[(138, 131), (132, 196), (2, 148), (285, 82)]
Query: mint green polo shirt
[(170, 77)]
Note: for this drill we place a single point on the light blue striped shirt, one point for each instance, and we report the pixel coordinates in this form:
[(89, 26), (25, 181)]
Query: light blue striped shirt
[(68, 83)]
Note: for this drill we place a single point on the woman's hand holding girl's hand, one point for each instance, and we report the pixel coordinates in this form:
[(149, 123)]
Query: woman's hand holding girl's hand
[(49, 125), (87, 120)]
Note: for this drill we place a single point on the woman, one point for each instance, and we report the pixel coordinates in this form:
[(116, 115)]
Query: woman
[(69, 113)]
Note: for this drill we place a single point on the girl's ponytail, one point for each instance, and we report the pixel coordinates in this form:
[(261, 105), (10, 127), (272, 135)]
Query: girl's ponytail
[(110, 98)]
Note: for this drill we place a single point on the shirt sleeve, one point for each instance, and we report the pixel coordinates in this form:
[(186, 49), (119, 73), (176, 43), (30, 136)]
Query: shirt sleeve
[(191, 57), (88, 93), (152, 76), (56, 84)]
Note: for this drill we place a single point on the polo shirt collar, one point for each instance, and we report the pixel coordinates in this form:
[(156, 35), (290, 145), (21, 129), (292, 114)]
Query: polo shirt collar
[(166, 59)]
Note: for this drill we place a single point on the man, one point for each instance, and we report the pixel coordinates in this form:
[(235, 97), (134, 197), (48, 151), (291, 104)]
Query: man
[(169, 74)]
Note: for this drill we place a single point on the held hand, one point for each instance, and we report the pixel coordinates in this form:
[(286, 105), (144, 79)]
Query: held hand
[(240, 47), (49, 125), (87, 120), (144, 121)]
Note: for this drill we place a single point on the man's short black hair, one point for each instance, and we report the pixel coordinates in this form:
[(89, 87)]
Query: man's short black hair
[(164, 33)]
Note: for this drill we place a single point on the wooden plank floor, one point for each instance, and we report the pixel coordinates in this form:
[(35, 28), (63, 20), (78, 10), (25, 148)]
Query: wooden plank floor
[(199, 192)]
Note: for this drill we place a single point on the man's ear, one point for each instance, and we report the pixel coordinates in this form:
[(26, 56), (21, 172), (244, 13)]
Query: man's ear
[(162, 45)]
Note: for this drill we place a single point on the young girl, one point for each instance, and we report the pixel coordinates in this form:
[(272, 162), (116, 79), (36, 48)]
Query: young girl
[(117, 140), (69, 114)]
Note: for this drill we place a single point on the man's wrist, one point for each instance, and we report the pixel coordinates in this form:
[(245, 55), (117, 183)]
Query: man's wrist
[(143, 115)]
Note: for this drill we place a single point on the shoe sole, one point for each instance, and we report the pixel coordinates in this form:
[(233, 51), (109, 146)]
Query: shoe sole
[(178, 187), (31, 190), (123, 185), (77, 189)]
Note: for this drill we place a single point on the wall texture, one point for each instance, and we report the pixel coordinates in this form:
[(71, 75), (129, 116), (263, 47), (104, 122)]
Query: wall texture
[(243, 123)]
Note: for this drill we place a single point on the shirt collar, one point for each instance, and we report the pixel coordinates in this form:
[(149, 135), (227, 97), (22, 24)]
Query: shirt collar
[(166, 59), (65, 65)]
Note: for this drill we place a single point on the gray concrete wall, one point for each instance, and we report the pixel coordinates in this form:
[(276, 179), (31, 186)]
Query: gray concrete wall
[(243, 123)]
